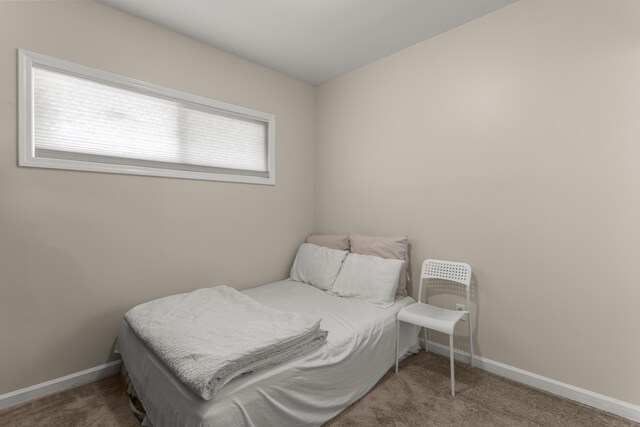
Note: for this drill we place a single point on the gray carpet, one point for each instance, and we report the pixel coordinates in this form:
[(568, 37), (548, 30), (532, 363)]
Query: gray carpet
[(103, 403), (418, 396)]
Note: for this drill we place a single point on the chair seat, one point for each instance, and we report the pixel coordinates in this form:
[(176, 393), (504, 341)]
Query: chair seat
[(431, 317)]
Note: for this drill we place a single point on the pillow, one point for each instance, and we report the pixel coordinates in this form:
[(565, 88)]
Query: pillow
[(333, 241), (370, 278), (317, 266), (385, 247)]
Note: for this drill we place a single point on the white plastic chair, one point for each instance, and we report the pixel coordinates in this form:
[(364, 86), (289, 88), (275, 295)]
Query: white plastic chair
[(436, 318)]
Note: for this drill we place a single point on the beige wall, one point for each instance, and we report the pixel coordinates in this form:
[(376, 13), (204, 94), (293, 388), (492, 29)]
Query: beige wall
[(78, 249), (511, 143)]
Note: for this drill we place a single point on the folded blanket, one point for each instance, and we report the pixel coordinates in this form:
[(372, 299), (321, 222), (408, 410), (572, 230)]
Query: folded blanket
[(210, 336)]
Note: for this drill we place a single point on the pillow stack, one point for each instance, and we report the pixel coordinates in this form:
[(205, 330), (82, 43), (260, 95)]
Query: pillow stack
[(373, 271), (385, 247), (396, 247)]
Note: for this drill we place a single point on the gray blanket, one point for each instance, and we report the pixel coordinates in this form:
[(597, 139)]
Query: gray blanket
[(212, 335)]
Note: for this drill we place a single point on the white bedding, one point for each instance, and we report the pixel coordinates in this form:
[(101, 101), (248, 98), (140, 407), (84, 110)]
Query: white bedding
[(307, 391), (210, 336)]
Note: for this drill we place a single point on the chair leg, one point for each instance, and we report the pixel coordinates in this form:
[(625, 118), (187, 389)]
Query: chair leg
[(397, 342), (426, 345), (470, 339), (453, 377)]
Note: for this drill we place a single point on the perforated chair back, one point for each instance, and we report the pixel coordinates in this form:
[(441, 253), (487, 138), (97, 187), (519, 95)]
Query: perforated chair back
[(458, 272)]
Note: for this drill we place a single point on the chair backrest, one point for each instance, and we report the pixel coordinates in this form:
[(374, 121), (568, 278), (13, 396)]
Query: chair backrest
[(454, 271)]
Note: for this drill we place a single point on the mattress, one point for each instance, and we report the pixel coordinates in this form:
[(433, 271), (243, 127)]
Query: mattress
[(307, 391)]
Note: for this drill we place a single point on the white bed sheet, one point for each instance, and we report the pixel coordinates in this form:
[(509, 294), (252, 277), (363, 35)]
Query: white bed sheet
[(307, 391)]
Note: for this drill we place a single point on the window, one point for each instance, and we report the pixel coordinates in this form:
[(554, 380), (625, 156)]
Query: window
[(79, 118)]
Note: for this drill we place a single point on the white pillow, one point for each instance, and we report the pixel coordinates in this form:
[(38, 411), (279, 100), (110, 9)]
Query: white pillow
[(370, 278), (317, 265)]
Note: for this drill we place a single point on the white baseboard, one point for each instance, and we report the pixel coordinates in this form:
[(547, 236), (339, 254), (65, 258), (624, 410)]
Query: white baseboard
[(586, 397), (59, 384)]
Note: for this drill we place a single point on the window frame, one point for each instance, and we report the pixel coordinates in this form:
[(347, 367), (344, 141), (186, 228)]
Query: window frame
[(26, 143)]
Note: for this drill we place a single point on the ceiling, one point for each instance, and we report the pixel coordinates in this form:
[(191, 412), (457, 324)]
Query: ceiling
[(310, 40)]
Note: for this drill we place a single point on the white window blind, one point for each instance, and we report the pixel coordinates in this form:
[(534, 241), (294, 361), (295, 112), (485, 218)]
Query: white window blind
[(91, 120)]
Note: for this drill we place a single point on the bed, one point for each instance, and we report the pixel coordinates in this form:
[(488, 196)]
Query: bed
[(306, 391)]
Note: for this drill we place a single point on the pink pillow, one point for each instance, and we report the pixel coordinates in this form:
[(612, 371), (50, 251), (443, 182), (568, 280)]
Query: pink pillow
[(333, 241), (385, 247)]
